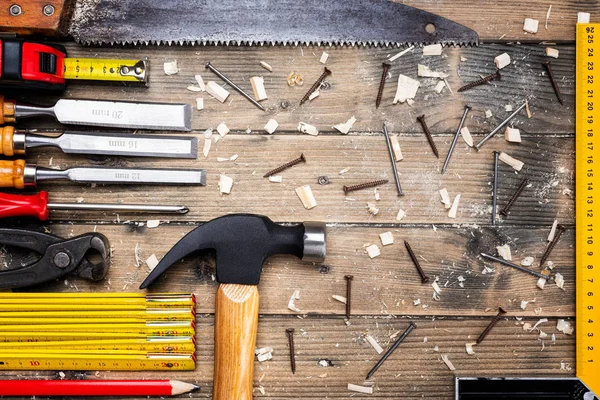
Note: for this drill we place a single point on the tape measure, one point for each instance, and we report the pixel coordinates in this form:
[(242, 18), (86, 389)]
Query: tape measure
[(100, 362), (26, 65), (587, 207)]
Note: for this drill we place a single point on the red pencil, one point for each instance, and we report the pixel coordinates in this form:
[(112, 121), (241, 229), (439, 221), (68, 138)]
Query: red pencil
[(94, 388)]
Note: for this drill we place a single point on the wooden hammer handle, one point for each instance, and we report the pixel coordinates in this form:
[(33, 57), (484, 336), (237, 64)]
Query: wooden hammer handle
[(236, 321)]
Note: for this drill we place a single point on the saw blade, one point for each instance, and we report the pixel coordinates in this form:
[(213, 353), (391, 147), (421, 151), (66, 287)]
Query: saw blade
[(247, 22)]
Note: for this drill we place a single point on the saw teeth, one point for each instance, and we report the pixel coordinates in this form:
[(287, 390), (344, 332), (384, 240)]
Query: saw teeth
[(251, 43)]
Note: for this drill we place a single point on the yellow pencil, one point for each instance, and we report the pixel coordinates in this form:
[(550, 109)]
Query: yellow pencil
[(167, 314), (164, 344)]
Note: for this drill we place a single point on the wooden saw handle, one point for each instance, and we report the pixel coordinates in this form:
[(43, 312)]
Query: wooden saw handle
[(24, 17), (236, 321)]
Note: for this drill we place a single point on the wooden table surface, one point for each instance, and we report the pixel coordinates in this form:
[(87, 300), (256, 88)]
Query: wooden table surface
[(386, 290)]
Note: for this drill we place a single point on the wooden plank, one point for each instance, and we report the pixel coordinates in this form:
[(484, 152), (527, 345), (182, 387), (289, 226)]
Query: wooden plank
[(352, 87), (548, 164), (386, 285), (414, 369)]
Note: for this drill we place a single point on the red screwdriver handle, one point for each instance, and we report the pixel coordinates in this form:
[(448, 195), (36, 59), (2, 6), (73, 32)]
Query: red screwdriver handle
[(16, 205)]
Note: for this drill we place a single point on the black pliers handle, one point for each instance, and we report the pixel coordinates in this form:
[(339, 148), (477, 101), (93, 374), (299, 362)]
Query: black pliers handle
[(58, 257)]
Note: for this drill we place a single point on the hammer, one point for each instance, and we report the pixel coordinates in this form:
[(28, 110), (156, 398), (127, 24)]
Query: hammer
[(242, 243)]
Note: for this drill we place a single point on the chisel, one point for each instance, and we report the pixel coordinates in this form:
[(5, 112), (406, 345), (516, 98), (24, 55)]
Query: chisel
[(17, 174), (16, 142), (36, 205), (113, 114)]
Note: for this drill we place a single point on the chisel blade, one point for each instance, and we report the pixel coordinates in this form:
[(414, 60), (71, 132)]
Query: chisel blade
[(134, 176), (73, 142)]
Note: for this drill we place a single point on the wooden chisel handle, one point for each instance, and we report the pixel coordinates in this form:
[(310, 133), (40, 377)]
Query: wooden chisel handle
[(7, 142), (49, 17), (12, 174), (236, 321), (7, 109)]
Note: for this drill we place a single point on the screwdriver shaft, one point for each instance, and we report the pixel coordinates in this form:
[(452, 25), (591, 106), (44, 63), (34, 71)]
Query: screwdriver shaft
[(119, 207)]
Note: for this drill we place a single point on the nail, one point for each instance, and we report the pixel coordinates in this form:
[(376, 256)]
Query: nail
[(460, 125), (348, 294), (234, 86), (391, 349), (495, 187), (290, 334), (386, 67), (506, 121), (421, 119), (495, 76), (315, 85), (553, 81), (514, 197), (285, 166), (364, 185), (424, 278), (393, 159), (493, 322), (559, 231), (515, 266)]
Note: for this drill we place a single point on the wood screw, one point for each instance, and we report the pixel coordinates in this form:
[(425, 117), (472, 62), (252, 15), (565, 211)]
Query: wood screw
[(348, 294), (285, 166), (553, 81), (290, 334), (315, 85), (424, 278), (514, 197), (495, 76), (364, 185), (391, 349), (15, 10), (386, 67), (493, 322), (559, 231), (495, 187), (421, 119)]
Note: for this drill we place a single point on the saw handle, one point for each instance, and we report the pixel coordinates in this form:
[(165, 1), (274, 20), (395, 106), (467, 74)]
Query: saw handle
[(236, 322), (12, 174), (7, 111), (25, 17)]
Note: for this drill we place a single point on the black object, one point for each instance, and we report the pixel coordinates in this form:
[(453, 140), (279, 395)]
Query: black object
[(391, 349), (522, 389), (242, 243), (58, 257)]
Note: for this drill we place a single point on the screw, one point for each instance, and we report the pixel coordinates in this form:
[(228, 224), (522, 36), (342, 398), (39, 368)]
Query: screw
[(460, 125), (285, 166), (290, 334), (506, 121), (553, 80), (514, 197), (495, 76), (386, 67), (391, 349), (424, 278), (515, 266), (364, 185), (421, 119), (491, 325), (315, 85), (559, 231), (348, 294), (323, 180), (495, 187), (393, 159), (48, 10), (233, 85), (15, 10)]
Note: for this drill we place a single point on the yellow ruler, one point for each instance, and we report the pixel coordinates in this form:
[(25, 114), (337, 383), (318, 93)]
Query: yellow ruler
[(587, 222), (95, 69)]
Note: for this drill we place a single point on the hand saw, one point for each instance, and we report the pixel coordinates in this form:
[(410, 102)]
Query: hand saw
[(307, 22)]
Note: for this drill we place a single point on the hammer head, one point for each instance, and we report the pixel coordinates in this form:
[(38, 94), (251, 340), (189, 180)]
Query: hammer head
[(242, 243)]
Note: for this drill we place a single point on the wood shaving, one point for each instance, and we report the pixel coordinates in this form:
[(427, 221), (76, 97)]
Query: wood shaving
[(401, 214), (266, 66), (527, 261), (547, 17), (403, 52), (217, 91), (342, 172), (341, 299), (222, 129), (207, 134), (513, 162), (374, 343), (531, 25), (377, 196), (512, 135), (306, 197), (225, 184), (469, 348), (445, 198), (488, 114), (292, 302), (324, 58), (271, 126), (432, 50), (153, 223), (152, 262), (466, 135), (424, 72), (199, 103), (206, 148), (583, 18), (360, 389), (439, 87), (314, 95), (258, 87), (294, 79), (504, 252), (372, 209), (527, 109), (373, 251), (436, 287), (454, 208), (553, 231), (192, 88), (541, 283), (264, 354), (136, 255), (386, 238), (540, 321), (200, 82), (550, 52), (564, 327), (502, 60), (448, 363), (276, 178), (346, 126), (396, 148), (407, 89), (559, 280), (308, 129), (508, 108), (233, 157), (170, 67)]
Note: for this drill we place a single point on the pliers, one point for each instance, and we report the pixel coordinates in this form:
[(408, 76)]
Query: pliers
[(58, 257)]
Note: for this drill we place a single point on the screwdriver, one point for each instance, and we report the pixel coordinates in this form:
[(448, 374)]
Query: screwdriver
[(17, 141), (17, 174), (36, 205)]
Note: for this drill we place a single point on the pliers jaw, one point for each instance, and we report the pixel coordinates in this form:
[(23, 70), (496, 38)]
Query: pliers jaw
[(59, 257)]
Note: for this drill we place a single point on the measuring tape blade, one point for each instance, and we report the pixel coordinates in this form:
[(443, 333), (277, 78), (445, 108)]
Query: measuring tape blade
[(95, 69), (587, 188)]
